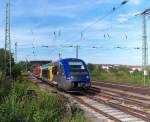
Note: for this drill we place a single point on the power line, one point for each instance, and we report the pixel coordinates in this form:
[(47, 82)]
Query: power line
[(102, 18), (108, 14), (86, 46)]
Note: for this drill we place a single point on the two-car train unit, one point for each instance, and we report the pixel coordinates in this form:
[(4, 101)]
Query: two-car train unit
[(67, 74)]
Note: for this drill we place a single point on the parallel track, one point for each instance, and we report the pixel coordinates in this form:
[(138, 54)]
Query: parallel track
[(126, 96), (124, 87), (108, 110)]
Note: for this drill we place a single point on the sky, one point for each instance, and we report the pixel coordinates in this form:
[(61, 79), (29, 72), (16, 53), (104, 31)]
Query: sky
[(87, 23)]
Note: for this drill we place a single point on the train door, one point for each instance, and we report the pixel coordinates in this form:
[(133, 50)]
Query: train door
[(50, 73), (54, 72), (45, 73), (61, 76), (40, 76)]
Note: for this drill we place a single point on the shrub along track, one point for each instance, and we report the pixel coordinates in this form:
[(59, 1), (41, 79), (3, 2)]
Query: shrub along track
[(114, 105)]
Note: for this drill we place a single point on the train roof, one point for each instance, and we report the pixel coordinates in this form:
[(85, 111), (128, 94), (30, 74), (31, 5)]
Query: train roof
[(70, 59), (61, 60)]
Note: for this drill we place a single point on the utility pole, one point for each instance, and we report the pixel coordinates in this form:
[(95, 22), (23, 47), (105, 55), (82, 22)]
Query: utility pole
[(76, 48), (60, 56), (77, 51), (7, 39), (26, 64), (16, 49), (144, 45), (144, 49)]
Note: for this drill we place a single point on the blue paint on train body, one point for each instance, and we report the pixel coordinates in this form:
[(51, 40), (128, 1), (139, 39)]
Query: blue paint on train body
[(73, 70), (68, 73)]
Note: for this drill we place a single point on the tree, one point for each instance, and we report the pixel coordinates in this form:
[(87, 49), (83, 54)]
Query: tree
[(2, 64), (91, 67), (16, 71)]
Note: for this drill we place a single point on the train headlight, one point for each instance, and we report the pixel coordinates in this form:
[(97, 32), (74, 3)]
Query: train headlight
[(68, 78), (87, 77)]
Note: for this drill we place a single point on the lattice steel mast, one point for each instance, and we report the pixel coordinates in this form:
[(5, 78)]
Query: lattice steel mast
[(145, 45), (144, 49), (16, 49), (7, 58)]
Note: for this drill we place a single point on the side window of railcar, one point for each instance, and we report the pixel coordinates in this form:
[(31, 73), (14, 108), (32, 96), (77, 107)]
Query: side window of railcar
[(54, 70), (61, 69), (45, 73)]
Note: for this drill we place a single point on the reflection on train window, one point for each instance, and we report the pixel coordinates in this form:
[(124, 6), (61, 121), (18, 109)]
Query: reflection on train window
[(76, 66), (54, 70), (45, 73), (61, 70)]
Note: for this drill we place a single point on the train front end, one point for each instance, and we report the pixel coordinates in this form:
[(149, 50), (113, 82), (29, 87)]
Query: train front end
[(77, 74), (37, 71)]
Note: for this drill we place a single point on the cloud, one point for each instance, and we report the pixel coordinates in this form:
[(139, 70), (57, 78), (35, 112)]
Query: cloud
[(122, 19), (44, 17), (125, 17), (68, 8), (135, 2)]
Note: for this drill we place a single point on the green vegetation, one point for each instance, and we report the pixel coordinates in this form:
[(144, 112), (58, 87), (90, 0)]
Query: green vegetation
[(21, 100), (2, 53), (5, 80), (26, 103), (116, 74), (16, 67)]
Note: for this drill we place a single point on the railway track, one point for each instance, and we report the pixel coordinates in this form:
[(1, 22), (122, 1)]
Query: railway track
[(131, 88), (132, 99), (108, 111), (129, 96), (135, 104), (117, 106), (129, 105)]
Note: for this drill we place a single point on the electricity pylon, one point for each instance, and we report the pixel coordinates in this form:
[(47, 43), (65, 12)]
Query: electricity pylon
[(7, 59), (16, 49), (144, 45)]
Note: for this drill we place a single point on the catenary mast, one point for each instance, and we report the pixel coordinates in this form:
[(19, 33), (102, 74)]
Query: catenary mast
[(7, 57)]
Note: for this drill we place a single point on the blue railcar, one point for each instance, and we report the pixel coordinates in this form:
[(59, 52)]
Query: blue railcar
[(67, 74)]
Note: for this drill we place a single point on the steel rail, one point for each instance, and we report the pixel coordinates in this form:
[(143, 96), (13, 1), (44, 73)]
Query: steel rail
[(122, 93), (126, 100), (137, 113), (134, 89), (125, 109), (96, 110)]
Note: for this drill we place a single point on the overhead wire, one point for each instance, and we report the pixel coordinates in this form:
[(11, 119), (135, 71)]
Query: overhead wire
[(98, 20), (106, 35), (108, 14), (115, 8)]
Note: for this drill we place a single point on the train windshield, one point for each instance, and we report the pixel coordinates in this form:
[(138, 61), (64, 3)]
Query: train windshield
[(77, 67)]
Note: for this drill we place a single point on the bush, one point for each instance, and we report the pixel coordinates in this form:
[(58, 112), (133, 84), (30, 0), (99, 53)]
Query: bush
[(26, 104), (91, 67), (79, 118), (119, 75), (5, 86), (16, 71)]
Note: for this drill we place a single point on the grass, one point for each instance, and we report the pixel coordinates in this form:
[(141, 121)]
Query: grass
[(26, 103), (120, 75)]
